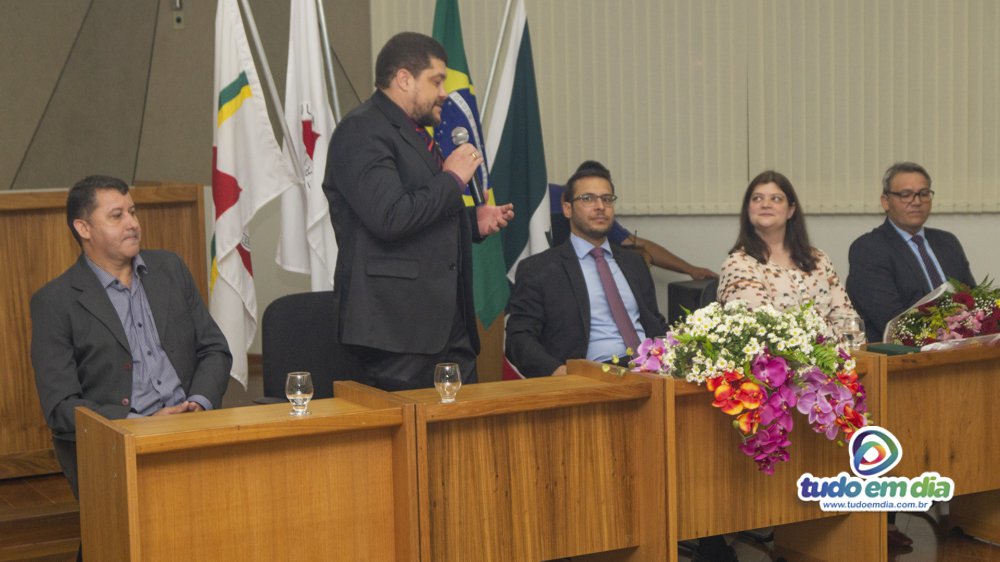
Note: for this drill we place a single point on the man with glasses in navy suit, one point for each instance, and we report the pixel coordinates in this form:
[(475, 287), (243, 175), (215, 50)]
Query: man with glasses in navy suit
[(899, 262)]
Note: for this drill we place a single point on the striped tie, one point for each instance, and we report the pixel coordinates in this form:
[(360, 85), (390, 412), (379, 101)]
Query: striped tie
[(932, 271)]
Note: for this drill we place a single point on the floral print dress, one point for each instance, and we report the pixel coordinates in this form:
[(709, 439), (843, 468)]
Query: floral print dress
[(744, 278)]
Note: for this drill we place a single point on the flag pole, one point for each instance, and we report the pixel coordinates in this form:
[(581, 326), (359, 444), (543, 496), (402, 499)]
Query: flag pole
[(328, 59), (496, 57), (275, 100)]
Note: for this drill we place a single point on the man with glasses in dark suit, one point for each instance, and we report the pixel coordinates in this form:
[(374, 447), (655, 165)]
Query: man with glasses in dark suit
[(899, 262), (585, 298)]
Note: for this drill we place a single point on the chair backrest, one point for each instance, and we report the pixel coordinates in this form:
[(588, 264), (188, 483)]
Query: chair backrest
[(690, 295), (710, 293), (299, 333)]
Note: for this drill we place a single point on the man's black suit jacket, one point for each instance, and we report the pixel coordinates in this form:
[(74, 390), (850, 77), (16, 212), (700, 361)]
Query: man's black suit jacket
[(403, 232), (550, 308), (886, 278)]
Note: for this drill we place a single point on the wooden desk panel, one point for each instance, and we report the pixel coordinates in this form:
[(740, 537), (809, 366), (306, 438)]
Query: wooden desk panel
[(942, 408), (253, 483), (541, 469), (713, 488), (292, 498)]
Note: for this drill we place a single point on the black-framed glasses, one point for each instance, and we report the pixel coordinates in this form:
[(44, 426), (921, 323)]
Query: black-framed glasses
[(908, 195), (589, 199)]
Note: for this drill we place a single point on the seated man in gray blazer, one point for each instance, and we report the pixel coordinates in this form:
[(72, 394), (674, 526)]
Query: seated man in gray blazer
[(586, 298), (899, 262), (123, 332)]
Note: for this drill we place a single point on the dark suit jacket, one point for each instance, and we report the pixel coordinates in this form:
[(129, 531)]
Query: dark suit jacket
[(404, 235), (886, 278), (81, 355), (550, 308)]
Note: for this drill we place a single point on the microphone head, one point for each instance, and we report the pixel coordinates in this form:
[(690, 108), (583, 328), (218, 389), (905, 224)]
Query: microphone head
[(459, 136)]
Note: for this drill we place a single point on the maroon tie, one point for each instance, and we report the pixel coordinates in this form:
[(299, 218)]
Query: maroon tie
[(932, 271), (618, 312), (432, 146)]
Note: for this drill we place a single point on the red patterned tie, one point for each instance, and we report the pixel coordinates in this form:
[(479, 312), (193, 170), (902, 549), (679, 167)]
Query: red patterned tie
[(432, 146), (615, 302)]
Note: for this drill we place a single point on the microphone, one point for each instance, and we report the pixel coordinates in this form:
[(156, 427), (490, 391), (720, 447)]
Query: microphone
[(460, 136)]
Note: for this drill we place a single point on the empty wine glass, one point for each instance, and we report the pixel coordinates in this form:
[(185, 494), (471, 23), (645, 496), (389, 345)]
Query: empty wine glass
[(447, 381), (299, 390)]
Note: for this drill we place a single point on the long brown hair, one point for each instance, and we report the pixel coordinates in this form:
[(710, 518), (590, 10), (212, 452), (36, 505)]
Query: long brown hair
[(796, 237)]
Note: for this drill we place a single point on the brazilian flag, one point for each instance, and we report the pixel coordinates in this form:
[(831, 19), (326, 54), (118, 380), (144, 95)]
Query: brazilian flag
[(490, 287)]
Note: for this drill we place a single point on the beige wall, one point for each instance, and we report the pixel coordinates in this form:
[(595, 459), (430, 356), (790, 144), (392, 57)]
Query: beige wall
[(644, 87), (113, 87)]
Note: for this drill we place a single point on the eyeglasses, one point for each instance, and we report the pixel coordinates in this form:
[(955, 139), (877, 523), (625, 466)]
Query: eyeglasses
[(589, 199), (908, 195), (776, 199)]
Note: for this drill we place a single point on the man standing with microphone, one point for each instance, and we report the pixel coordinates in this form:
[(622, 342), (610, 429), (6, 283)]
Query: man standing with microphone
[(403, 279)]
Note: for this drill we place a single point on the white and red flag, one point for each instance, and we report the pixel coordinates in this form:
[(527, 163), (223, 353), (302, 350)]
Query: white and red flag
[(307, 243), (248, 170)]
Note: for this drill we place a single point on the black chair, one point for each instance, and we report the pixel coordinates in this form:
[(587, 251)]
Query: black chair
[(690, 295), (299, 333)]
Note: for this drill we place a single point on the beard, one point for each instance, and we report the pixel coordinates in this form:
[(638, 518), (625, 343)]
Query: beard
[(428, 118), (594, 232)]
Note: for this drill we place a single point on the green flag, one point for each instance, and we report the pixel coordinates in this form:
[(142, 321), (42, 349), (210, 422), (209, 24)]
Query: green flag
[(516, 150), (490, 288)]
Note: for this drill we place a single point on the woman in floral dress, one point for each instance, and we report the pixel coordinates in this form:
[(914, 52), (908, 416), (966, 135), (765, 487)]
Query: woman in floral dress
[(772, 262)]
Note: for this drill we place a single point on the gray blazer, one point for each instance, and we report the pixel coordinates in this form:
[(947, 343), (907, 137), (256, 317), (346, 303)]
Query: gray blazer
[(81, 355)]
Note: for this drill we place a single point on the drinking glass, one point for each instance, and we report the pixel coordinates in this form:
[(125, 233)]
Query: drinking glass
[(851, 330), (447, 381), (299, 390)]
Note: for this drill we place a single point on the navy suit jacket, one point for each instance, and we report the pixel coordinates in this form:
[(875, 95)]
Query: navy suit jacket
[(886, 278), (404, 235), (550, 308)]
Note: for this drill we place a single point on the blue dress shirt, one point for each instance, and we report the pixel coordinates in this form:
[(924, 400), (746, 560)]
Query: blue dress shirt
[(908, 238), (605, 339), (155, 384)]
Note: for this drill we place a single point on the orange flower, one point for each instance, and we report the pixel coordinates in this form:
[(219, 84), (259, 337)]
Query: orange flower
[(725, 398), (750, 395), (748, 421), (850, 421), (734, 400), (849, 380), (728, 377)]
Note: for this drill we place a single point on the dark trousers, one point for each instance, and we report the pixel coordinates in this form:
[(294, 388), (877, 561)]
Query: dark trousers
[(406, 371), (66, 455)]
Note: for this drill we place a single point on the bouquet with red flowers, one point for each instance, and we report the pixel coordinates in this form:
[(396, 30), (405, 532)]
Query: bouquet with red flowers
[(953, 312)]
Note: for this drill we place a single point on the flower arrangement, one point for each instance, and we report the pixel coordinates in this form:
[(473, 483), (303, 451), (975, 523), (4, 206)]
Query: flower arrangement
[(761, 365), (961, 313)]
